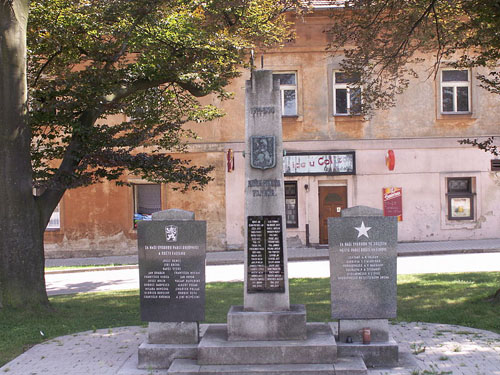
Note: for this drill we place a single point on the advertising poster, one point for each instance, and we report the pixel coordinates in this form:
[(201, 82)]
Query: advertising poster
[(393, 202)]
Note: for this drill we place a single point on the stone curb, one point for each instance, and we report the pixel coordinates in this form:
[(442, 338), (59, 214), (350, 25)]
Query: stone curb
[(92, 269), (294, 258)]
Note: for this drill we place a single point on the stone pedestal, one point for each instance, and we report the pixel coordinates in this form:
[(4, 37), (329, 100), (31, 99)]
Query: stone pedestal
[(167, 342), (161, 356), (173, 333), (268, 325), (352, 328)]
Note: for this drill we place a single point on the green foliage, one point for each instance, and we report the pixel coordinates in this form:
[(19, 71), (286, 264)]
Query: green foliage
[(487, 146), (144, 62), (381, 40), (437, 298)]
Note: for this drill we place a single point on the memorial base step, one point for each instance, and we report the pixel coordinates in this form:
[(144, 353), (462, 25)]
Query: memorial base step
[(269, 325), (376, 354), (345, 366), (161, 356), (319, 347)]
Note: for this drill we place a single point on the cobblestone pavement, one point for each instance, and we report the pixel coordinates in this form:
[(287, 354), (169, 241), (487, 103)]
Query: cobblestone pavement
[(425, 349), (440, 349)]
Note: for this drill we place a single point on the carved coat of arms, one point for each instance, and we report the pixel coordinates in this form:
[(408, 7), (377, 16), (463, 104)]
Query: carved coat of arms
[(263, 152), (171, 233)]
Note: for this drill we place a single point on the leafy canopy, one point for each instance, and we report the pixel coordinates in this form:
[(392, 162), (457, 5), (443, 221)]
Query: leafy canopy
[(146, 61), (381, 40)]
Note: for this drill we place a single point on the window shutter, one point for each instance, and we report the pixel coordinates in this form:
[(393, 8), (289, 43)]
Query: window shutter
[(495, 165)]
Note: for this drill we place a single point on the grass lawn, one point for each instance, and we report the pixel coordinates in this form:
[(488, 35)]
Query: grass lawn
[(439, 298)]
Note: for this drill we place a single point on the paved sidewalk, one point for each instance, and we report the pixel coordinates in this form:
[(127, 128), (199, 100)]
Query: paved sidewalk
[(304, 253), (432, 349)]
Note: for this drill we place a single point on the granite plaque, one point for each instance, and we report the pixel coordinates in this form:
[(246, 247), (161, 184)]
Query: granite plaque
[(363, 262), (265, 255), (172, 270)]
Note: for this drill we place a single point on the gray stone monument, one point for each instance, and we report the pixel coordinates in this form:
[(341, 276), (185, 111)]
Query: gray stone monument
[(266, 313), (172, 286), (266, 335), (363, 274)]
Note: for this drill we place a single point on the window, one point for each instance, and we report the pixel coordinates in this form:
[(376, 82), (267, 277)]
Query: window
[(346, 96), (55, 219), (288, 90), (147, 199), (291, 209), (460, 198), (455, 91)]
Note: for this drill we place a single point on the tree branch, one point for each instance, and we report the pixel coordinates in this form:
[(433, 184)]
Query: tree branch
[(124, 46), (49, 60), (406, 41), (48, 201)]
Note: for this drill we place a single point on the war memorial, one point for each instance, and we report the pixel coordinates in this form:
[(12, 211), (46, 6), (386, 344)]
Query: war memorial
[(267, 334)]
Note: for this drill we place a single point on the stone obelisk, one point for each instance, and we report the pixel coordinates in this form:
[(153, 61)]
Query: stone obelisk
[(266, 313)]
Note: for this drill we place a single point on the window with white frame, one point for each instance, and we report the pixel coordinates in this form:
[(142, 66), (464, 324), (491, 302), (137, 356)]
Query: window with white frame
[(346, 94), (147, 200), (55, 219), (288, 90), (455, 91)]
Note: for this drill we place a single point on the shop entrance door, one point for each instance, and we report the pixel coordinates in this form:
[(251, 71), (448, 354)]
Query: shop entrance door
[(332, 199)]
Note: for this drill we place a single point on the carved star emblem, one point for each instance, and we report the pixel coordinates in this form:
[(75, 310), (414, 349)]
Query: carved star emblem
[(362, 230)]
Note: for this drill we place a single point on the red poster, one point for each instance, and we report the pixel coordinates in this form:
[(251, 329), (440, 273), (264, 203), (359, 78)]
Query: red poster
[(393, 202)]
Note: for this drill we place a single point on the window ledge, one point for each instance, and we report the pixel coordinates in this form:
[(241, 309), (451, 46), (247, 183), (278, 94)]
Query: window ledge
[(348, 118), (459, 224), (455, 116), (456, 113), (291, 119)]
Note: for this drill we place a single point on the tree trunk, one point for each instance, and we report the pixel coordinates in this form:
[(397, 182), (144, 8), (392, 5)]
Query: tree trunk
[(22, 281)]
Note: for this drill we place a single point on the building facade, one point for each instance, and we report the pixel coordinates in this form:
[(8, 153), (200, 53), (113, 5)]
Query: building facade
[(405, 160)]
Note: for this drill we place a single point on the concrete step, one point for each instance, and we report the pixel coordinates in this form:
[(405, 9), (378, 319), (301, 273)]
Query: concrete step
[(344, 366), (318, 348), (348, 366), (158, 356), (377, 354)]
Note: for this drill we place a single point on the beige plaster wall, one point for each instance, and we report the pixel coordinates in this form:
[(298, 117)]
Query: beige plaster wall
[(97, 219)]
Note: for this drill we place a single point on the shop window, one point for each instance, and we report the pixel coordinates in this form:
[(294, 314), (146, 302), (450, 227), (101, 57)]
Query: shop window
[(291, 207), (55, 219), (455, 91), (147, 200), (346, 94), (288, 91), (460, 198)]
